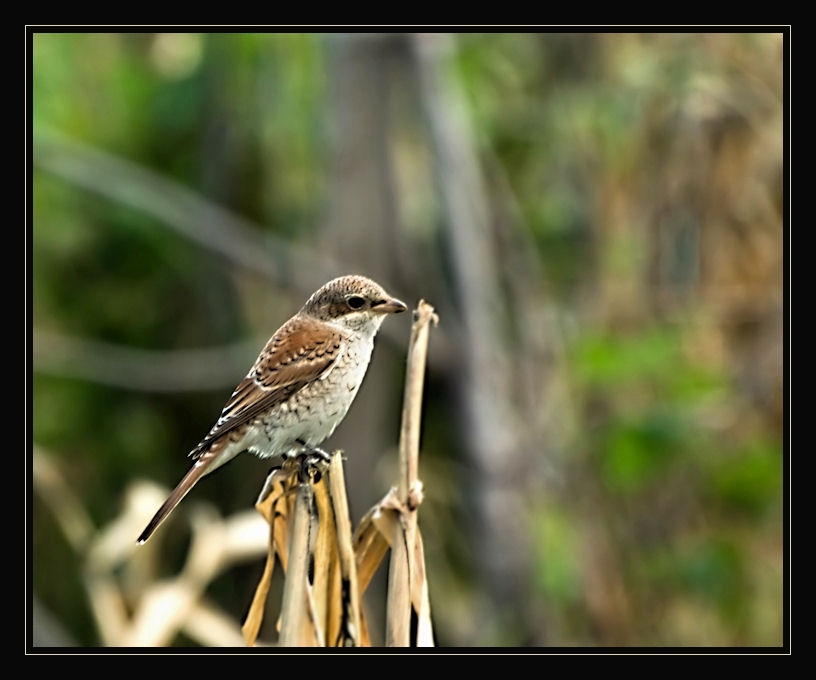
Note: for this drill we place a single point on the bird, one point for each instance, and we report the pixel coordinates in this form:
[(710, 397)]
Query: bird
[(301, 385)]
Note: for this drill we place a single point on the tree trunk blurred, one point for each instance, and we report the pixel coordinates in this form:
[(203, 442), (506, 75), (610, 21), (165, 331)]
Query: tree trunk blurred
[(487, 386), (361, 234)]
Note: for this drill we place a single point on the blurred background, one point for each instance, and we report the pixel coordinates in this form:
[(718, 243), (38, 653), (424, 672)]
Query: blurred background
[(598, 221)]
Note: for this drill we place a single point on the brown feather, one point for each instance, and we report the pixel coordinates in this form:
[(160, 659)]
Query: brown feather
[(201, 468), (301, 351)]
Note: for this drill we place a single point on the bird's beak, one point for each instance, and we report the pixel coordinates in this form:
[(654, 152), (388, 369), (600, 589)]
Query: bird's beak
[(389, 306)]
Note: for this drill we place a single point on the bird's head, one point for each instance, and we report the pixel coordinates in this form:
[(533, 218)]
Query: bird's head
[(353, 301)]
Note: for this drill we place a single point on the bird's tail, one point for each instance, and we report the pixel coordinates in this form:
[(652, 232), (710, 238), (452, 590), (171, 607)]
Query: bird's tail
[(200, 468)]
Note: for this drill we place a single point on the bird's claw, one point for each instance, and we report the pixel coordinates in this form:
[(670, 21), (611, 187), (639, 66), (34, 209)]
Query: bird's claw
[(312, 461)]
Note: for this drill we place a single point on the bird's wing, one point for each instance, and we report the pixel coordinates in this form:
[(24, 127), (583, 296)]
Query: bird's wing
[(301, 351)]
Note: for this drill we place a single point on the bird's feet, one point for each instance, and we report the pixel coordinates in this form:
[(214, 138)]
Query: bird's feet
[(313, 461), (313, 452)]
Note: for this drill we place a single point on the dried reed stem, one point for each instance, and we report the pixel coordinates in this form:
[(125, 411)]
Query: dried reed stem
[(403, 540)]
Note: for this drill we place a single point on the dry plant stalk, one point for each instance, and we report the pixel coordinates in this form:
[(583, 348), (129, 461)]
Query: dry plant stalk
[(294, 619), (276, 505), (327, 611), (352, 624), (406, 585)]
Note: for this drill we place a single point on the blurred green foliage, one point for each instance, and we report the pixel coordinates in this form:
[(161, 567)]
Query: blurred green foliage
[(654, 458)]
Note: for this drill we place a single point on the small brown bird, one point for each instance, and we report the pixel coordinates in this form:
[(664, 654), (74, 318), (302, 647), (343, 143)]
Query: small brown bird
[(300, 386)]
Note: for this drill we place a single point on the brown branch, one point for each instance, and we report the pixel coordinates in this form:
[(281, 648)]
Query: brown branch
[(139, 369), (185, 211)]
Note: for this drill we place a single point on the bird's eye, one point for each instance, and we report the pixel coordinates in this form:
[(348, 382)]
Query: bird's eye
[(355, 302)]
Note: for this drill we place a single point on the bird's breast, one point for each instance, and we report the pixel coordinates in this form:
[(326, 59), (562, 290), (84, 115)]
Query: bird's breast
[(313, 412)]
